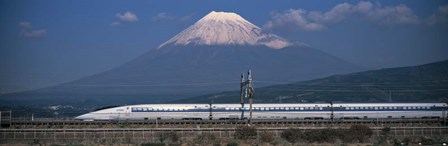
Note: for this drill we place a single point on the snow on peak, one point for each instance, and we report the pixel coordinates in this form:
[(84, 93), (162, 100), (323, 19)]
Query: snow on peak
[(226, 28), (223, 16)]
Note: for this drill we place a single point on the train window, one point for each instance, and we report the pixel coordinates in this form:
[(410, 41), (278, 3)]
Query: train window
[(376, 108), (321, 108), (276, 108), (301, 108), (286, 108)]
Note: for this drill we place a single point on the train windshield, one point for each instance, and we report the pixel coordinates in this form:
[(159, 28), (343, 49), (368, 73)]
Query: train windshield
[(106, 107)]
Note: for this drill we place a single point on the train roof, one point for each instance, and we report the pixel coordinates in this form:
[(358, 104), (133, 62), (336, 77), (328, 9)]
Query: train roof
[(295, 104)]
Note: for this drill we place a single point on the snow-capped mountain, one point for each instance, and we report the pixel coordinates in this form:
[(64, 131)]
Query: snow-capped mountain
[(208, 56), (226, 28)]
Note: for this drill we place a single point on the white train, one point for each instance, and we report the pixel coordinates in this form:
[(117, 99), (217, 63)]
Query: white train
[(269, 111)]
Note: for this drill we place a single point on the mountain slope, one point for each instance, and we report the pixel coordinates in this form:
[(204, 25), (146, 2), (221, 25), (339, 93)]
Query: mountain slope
[(424, 83), (207, 57)]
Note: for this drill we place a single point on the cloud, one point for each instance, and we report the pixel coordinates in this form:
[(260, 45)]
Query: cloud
[(26, 31), (34, 34), (295, 18), (162, 16), (115, 23), (186, 18), (400, 14), (25, 25), (127, 17), (302, 20), (440, 16)]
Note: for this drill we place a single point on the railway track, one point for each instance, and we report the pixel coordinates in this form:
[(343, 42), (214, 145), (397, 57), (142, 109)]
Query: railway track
[(140, 135), (378, 122)]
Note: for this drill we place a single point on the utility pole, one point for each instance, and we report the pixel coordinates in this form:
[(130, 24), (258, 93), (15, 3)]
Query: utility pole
[(242, 85), (247, 90), (390, 96), (332, 113), (250, 90)]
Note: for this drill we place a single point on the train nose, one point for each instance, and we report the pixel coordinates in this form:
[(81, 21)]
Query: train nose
[(84, 117)]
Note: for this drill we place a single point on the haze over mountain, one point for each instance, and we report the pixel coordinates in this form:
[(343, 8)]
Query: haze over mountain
[(206, 57), (423, 83)]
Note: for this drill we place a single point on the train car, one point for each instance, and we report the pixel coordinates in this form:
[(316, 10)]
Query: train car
[(389, 110), (306, 111)]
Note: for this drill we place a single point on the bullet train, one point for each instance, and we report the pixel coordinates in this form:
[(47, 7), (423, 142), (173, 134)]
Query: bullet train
[(304, 111)]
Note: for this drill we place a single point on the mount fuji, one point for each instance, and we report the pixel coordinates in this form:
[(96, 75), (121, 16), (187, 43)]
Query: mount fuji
[(222, 28), (208, 56)]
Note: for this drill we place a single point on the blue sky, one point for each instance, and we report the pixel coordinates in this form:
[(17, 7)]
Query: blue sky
[(48, 42)]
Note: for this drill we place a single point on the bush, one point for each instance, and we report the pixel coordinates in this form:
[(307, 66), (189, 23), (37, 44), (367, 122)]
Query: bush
[(357, 133), (266, 136), (292, 135), (324, 135), (205, 138), (153, 144), (426, 141), (384, 137), (168, 136), (232, 144), (245, 132)]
